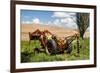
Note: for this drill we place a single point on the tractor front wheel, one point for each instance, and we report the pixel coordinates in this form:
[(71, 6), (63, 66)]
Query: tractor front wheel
[(51, 47)]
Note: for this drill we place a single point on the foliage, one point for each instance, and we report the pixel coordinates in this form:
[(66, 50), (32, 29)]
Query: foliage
[(82, 23)]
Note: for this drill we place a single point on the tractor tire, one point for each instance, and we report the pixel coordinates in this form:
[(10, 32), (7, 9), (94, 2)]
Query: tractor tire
[(51, 47), (69, 48)]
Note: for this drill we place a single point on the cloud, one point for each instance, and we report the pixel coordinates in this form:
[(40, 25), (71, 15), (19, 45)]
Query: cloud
[(59, 14), (36, 20), (63, 22), (49, 23), (64, 19), (63, 14), (60, 19), (56, 21), (26, 22), (67, 20)]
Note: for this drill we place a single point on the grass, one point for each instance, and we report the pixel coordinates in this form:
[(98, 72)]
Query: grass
[(27, 52)]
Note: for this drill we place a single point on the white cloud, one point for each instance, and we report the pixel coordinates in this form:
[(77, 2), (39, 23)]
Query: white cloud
[(63, 22), (68, 20), (63, 14), (59, 14), (64, 19), (36, 20), (56, 21), (49, 23), (26, 22)]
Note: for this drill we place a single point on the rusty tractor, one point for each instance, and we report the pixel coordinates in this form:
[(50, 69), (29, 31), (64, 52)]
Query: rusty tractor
[(52, 44)]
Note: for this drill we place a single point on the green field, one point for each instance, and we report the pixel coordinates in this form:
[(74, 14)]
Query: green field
[(27, 52)]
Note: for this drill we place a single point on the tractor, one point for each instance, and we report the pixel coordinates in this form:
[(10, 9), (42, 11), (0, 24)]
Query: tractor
[(52, 44)]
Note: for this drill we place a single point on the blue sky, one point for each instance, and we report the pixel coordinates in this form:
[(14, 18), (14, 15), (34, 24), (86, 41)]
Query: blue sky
[(29, 15), (53, 18)]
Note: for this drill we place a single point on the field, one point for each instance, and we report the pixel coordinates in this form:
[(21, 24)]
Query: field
[(27, 52), (58, 31)]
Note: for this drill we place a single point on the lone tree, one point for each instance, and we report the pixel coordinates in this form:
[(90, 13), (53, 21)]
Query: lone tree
[(82, 22)]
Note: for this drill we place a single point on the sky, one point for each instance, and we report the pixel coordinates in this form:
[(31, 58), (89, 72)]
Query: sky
[(53, 18)]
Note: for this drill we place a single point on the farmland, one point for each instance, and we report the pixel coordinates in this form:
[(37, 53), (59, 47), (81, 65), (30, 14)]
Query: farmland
[(58, 31), (28, 54)]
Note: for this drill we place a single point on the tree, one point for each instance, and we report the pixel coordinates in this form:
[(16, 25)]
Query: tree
[(82, 21)]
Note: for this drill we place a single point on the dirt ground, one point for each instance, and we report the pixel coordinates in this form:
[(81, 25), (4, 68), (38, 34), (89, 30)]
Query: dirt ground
[(58, 31)]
